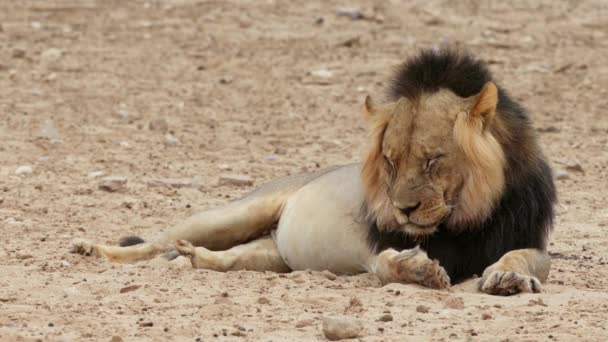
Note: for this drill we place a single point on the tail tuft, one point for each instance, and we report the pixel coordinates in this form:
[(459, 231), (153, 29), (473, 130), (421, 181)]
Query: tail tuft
[(130, 241)]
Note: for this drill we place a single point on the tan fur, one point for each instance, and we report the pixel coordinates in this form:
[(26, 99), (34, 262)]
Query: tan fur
[(427, 159)]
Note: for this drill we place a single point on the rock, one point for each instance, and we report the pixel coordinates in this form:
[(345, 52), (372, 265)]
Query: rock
[(548, 129), (146, 324), (263, 300), (575, 167), (116, 339), (50, 56), (226, 80), (561, 174), (95, 174), (304, 323), (423, 309), (171, 140), (129, 288), (454, 303), (49, 131), (171, 183), (159, 125), (350, 12), (341, 327), (234, 179), (24, 170), (329, 275), (322, 73), (386, 318), (486, 316), (113, 184)]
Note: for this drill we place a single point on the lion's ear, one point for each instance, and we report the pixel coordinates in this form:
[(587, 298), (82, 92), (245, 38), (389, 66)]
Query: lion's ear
[(369, 107), (381, 114), (485, 104)]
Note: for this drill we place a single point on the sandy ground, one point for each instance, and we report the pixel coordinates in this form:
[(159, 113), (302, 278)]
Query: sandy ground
[(267, 88)]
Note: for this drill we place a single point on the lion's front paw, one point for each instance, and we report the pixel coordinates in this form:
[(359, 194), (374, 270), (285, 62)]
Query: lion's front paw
[(415, 266), (82, 246), (433, 275), (506, 283)]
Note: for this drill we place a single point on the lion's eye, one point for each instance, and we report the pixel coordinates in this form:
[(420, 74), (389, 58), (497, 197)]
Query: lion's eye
[(390, 165), (430, 162), (388, 161)]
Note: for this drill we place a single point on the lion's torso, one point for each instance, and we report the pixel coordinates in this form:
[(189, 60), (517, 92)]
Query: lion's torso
[(319, 227)]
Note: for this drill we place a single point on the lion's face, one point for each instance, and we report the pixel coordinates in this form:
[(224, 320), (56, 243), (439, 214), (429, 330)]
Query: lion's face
[(433, 160)]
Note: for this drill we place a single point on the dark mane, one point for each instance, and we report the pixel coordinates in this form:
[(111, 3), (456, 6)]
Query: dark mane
[(523, 216), (432, 70)]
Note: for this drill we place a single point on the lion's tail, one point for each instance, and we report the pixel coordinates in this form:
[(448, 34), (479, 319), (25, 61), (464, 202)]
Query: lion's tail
[(131, 240)]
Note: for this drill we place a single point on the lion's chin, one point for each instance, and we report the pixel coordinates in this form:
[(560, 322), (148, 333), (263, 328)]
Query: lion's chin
[(415, 230)]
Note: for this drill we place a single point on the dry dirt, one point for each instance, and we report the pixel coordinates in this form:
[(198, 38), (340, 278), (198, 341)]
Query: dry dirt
[(267, 88)]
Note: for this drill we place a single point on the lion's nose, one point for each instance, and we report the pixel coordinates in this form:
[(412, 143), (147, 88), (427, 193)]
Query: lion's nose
[(408, 210)]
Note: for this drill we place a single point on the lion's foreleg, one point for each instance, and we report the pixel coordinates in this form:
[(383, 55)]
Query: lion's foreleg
[(258, 255), (410, 266), (521, 270)]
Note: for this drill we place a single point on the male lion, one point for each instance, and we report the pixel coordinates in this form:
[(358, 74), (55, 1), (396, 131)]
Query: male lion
[(454, 185)]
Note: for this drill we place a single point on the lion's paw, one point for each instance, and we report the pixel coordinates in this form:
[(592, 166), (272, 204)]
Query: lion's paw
[(82, 246), (506, 283), (185, 248), (434, 276), (415, 265)]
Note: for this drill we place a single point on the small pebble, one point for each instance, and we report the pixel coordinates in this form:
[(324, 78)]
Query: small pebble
[(486, 316), (386, 318), (95, 174), (236, 180), (171, 183), (146, 324), (263, 300), (329, 275), (561, 174), (304, 323), (113, 184), (24, 170), (350, 12), (171, 140), (129, 288), (116, 339), (423, 309), (50, 56)]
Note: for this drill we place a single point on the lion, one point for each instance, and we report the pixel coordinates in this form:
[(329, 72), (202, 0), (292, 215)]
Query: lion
[(454, 186)]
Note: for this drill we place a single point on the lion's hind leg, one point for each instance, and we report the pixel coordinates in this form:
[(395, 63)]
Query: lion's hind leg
[(257, 255), (216, 229), (123, 253)]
